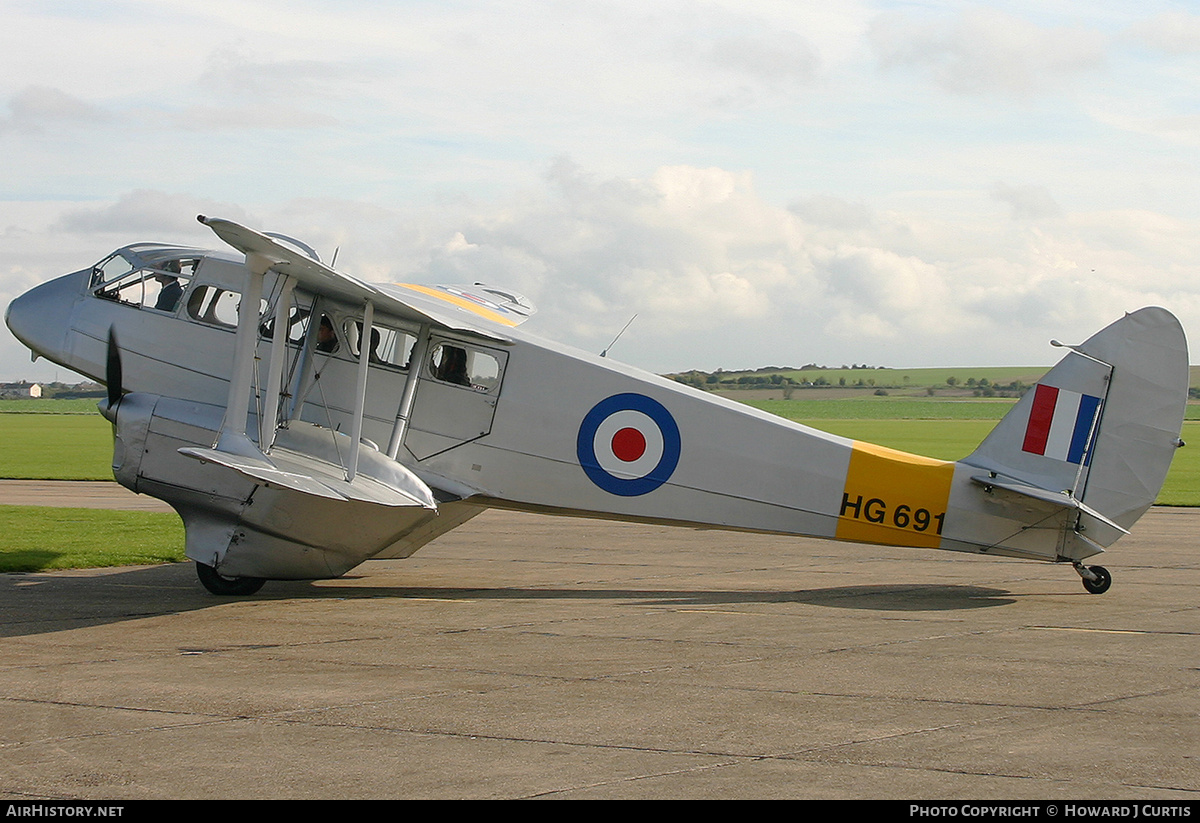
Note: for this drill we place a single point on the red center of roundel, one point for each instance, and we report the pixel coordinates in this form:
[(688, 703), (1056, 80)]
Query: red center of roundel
[(629, 444)]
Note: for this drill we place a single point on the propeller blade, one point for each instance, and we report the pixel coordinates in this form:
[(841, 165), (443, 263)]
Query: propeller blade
[(112, 369)]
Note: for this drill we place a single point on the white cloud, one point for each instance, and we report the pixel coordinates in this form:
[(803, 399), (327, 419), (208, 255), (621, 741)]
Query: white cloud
[(416, 137), (216, 118), (39, 108), (776, 57), (1172, 32), (984, 51), (718, 276), (1027, 202), (146, 214)]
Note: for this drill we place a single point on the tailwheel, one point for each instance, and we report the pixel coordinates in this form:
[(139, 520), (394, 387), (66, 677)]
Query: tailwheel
[(1096, 579), (223, 586)]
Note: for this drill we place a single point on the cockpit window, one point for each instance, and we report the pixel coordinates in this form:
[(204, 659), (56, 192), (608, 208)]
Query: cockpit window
[(159, 287), (110, 269)]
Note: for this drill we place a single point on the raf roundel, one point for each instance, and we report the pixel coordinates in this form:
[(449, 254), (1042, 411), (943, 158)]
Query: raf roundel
[(628, 444)]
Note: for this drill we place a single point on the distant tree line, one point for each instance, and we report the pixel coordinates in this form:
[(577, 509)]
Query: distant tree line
[(71, 391), (771, 377)]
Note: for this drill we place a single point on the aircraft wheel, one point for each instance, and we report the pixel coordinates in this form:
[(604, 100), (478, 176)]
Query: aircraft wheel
[(223, 586), (1101, 583)]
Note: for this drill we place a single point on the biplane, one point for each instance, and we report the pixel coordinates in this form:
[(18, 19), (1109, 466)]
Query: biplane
[(302, 421)]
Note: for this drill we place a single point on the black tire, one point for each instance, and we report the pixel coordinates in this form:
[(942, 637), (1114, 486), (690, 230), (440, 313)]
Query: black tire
[(223, 586), (1101, 583)]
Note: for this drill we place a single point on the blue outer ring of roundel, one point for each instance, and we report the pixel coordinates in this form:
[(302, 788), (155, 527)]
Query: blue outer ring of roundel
[(628, 487)]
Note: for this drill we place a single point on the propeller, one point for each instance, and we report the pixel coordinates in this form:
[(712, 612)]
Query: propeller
[(112, 373)]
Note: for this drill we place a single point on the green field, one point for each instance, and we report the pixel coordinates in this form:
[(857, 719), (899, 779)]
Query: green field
[(951, 429), (69, 440), (955, 439), (36, 539), (897, 408), (885, 408), (73, 442), (50, 405), (40, 446)]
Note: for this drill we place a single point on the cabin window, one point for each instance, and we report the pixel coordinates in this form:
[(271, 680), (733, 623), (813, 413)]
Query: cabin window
[(389, 347), (159, 287), (464, 366), (327, 340), (297, 326), (298, 319), (215, 306)]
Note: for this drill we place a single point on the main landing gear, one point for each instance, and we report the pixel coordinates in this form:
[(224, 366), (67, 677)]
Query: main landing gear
[(223, 586), (1096, 579)]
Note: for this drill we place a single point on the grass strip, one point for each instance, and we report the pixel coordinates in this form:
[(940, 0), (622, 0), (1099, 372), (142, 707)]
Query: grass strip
[(55, 447), (35, 538)]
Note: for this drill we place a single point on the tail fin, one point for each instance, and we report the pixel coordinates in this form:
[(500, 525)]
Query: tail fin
[(1099, 430)]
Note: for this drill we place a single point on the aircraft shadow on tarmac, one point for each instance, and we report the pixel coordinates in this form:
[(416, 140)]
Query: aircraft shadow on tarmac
[(898, 597), (51, 602)]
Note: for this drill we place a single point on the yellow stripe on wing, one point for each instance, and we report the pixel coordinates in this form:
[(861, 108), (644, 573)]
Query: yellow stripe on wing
[(894, 498), (461, 302)]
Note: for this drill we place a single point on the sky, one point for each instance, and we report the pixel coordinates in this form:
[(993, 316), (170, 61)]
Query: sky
[(760, 182)]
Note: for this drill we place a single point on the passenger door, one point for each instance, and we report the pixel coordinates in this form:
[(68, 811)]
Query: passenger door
[(456, 397)]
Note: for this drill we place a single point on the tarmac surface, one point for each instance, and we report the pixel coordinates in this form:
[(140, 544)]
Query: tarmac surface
[(524, 656)]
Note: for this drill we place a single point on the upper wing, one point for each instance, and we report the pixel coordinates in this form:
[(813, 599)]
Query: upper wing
[(476, 309), (505, 308)]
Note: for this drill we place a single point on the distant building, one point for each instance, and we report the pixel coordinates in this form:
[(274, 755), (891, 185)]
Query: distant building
[(21, 389)]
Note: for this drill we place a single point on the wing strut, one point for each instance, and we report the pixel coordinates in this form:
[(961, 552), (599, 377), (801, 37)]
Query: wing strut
[(415, 364), (360, 397), (306, 363), (270, 417), (232, 437)]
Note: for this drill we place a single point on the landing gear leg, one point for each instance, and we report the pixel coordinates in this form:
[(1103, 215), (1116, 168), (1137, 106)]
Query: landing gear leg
[(1096, 579), (223, 586)]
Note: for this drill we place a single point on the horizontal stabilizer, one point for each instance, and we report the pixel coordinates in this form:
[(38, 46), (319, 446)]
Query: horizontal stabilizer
[(1063, 499)]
